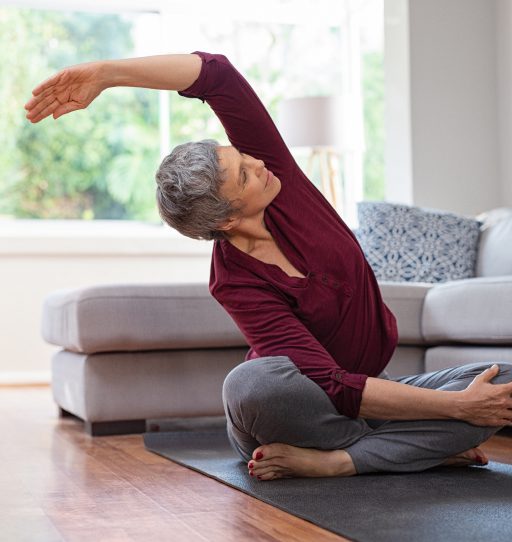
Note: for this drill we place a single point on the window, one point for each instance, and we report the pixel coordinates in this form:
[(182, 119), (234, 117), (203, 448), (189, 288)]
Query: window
[(90, 164), (99, 163)]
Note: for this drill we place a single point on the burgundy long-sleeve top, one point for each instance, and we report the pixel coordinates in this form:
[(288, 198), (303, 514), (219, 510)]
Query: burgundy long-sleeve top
[(333, 324)]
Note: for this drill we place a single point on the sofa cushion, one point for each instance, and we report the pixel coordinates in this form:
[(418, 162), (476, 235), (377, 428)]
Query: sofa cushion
[(494, 252), (125, 317), (469, 311), (405, 300), (404, 243), (443, 357), (136, 385)]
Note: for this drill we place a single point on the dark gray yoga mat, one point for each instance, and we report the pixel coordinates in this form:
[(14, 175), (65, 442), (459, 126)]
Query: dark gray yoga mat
[(449, 504)]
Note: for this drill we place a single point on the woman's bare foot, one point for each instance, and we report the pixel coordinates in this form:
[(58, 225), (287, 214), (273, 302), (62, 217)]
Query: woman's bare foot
[(285, 461), (469, 457)]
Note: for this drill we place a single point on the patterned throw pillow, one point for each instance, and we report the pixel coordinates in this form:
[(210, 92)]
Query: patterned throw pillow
[(403, 243)]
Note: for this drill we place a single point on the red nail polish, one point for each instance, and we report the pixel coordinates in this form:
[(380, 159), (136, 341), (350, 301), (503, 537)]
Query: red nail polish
[(259, 477), (259, 455), (251, 465), (251, 473)]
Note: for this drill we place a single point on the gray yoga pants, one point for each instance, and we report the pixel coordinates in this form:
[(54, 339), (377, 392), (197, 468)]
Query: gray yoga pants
[(269, 400)]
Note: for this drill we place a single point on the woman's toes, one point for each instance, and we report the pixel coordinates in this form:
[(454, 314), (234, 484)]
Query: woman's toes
[(263, 457), (480, 454), (259, 453), (475, 456), (268, 451), (469, 457), (260, 470), (270, 475)]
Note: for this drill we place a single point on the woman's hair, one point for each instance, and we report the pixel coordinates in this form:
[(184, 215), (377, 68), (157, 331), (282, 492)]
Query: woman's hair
[(188, 191)]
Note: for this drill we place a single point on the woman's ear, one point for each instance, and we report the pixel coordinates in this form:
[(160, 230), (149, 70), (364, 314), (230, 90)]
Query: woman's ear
[(229, 224)]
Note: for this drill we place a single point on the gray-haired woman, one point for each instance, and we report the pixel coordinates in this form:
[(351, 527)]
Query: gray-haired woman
[(313, 397)]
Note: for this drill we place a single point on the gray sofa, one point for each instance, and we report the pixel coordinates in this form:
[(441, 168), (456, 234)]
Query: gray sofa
[(132, 353)]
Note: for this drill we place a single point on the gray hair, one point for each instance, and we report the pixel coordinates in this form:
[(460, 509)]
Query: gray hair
[(188, 191)]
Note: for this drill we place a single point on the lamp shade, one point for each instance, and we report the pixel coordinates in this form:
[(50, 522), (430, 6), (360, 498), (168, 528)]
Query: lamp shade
[(312, 121)]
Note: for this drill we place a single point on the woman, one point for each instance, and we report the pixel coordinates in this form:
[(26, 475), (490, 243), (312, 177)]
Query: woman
[(314, 399)]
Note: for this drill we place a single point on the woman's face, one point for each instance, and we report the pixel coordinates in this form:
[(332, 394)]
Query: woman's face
[(248, 183)]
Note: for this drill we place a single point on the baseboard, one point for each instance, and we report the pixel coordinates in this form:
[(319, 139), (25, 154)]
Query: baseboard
[(25, 378)]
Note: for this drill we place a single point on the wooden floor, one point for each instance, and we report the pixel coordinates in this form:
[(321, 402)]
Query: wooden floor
[(58, 483)]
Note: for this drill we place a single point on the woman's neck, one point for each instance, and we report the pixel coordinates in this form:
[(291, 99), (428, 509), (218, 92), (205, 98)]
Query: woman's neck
[(250, 235)]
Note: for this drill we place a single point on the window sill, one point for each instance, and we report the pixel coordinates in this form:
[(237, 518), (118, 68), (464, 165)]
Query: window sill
[(95, 238)]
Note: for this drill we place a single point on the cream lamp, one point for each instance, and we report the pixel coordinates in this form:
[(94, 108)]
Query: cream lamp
[(316, 122)]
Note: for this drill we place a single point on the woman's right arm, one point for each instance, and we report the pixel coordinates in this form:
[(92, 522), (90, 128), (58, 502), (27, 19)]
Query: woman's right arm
[(75, 87), (481, 403)]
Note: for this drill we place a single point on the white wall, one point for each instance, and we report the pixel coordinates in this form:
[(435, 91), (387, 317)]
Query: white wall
[(397, 107), (446, 147), (504, 63), (42, 256)]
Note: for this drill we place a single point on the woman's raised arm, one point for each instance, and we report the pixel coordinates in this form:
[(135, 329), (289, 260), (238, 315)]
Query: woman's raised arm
[(75, 87)]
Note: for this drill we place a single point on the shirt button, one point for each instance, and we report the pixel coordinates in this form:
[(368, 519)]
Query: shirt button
[(338, 376)]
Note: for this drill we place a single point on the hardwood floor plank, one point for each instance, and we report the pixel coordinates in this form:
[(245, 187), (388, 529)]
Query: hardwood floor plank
[(284, 530)]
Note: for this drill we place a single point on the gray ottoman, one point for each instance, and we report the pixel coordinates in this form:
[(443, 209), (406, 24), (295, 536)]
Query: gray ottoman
[(134, 352)]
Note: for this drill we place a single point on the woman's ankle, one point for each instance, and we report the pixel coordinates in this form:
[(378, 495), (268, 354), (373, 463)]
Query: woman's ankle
[(344, 466)]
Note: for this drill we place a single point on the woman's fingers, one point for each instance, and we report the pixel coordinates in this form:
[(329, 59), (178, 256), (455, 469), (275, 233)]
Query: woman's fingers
[(40, 106), (48, 110), (44, 94), (32, 102), (35, 101), (507, 386), (57, 79)]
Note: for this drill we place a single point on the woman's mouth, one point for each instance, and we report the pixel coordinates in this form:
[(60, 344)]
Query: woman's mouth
[(270, 175)]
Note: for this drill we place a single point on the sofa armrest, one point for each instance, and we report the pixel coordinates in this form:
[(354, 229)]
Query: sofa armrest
[(130, 317), (405, 300)]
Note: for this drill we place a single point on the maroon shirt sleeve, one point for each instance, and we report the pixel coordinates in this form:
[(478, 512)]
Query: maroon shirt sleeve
[(247, 123), (272, 329)]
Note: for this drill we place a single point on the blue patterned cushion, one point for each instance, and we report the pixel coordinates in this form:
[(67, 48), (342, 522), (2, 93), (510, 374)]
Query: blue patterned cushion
[(403, 243)]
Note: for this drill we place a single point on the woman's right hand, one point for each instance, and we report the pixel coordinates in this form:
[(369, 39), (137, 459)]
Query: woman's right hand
[(487, 404), (72, 88)]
